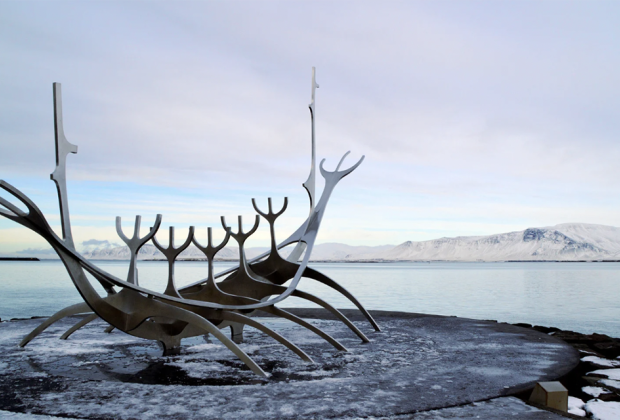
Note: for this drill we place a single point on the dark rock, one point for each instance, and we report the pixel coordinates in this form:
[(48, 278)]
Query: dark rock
[(600, 345), (610, 349), (533, 234), (608, 397), (545, 330)]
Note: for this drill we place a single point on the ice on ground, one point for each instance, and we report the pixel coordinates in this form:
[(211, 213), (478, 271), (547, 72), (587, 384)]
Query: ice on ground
[(202, 369), (8, 415), (603, 410), (490, 371), (600, 361), (36, 375), (11, 336), (595, 391), (197, 348), (575, 406), (429, 360), (610, 373), (318, 373)]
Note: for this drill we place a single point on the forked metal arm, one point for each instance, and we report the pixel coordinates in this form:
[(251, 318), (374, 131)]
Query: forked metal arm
[(171, 253), (241, 237), (135, 243), (210, 251)]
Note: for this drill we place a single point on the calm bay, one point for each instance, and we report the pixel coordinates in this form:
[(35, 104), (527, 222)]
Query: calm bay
[(581, 297)]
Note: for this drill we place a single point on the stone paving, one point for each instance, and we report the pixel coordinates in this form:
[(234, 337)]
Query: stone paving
[(419, 366)]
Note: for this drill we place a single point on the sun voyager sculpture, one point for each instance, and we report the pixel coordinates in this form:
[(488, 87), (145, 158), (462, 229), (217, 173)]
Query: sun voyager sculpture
[(204, 307)]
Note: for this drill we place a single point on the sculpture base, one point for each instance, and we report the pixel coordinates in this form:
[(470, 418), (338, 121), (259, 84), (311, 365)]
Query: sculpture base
[(417, 363)]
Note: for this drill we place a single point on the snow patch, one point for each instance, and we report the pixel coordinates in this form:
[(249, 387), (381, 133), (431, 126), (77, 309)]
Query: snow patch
[(603, 410), (610, 373), (610, 383), (600, 361), (575, 406), (595, 391)]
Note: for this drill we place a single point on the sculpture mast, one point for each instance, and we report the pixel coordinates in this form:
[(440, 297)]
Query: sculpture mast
[(59, 176), (310, 183)]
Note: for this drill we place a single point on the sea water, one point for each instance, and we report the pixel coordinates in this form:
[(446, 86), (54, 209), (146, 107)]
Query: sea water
[(581, 297)]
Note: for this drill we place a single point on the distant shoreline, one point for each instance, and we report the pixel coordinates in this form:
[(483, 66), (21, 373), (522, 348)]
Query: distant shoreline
[(335, 261), (393, 261)]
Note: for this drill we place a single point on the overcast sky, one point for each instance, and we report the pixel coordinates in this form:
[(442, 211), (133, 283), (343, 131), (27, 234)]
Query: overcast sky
[(475, 117)]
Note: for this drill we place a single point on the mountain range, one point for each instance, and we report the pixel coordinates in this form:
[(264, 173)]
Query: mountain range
[(564, 242)]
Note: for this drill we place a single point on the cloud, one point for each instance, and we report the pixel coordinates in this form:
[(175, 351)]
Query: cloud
[(192, 108)]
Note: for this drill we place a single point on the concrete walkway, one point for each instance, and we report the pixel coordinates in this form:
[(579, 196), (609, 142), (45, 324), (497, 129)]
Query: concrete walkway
[(414, 369)]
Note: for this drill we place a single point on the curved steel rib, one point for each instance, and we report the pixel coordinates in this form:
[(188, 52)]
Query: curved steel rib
[(322, 278), (168, 317), (128, 314), (245, 283), (243, 287), (86, 320), (35, 220), (278, 271), (241, 319), (78, 308), (305, 233)]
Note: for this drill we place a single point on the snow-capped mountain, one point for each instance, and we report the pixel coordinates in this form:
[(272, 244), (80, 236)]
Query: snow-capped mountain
[(149, 252), (94, 245), (321, 252), (338, 252), (565, 242)]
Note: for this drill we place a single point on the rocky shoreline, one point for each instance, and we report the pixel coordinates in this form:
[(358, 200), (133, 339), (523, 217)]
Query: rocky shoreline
[(594, 384)]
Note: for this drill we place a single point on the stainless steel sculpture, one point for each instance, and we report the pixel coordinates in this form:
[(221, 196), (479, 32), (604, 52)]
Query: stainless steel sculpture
[(204, 307)]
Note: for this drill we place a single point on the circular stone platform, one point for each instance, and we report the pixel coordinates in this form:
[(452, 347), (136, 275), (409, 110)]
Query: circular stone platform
[(417, 363)]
